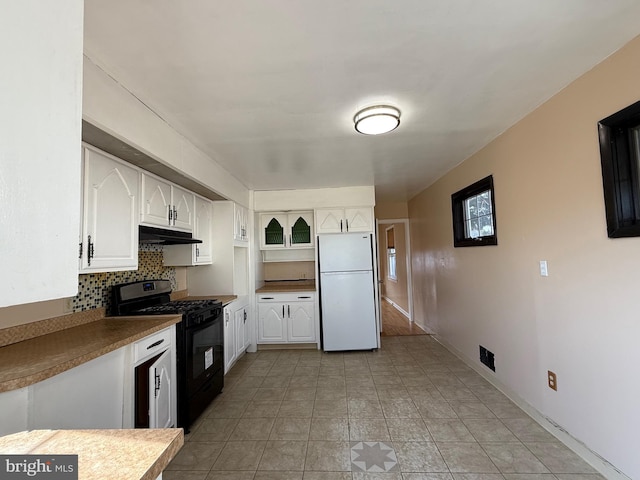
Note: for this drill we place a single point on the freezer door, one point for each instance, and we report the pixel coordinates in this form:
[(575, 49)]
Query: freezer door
[(348, 311), (345, 252)]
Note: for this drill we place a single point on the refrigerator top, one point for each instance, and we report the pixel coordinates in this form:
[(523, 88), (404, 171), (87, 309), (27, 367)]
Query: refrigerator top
[(344, 252)]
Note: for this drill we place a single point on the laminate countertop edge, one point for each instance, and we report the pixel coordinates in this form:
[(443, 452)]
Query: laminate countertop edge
[(127, 454), (31, 361)]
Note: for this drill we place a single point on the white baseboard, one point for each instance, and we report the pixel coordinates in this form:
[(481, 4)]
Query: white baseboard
[(592, 458), (397, 307)]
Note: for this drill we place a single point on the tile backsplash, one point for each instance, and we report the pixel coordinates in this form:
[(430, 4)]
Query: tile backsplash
[(94, 289)]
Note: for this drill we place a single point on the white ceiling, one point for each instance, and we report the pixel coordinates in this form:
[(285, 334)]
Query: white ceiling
[(269, 88)]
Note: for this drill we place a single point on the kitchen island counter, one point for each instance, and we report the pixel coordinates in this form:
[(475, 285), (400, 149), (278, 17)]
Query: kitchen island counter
[(140, 454)]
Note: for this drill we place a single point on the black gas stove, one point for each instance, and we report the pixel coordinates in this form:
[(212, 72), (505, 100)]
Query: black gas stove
[(199, 341)]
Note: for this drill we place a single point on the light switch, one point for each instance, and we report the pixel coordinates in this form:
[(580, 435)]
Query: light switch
[(543, 268)]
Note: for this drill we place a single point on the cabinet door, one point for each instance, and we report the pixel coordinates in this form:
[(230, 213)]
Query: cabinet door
[(229, 340), (300, 229), (202, 231), (183, 207), (240, 223), (247, 328), (271, 325), (239, 326), (301, 322), (156, 201), (160, 392), (330, 220), (273, 231), (110, 218), (358, 219)]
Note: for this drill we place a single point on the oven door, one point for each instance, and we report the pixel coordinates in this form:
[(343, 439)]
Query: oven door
[(204, 352)]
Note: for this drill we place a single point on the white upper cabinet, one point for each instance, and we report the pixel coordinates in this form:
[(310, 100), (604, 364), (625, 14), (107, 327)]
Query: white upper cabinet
[(199, 253), (109, 237), (286, 230), (240, 223), (343, 220), (183, 208), (166, 205)]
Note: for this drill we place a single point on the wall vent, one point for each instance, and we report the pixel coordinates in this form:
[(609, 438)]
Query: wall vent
[(487, 358)]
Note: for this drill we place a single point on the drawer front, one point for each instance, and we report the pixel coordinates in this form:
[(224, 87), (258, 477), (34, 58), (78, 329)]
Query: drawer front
[(152, 345), (286, 297)]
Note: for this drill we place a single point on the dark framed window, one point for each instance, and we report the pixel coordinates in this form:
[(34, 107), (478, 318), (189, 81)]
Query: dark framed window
[(620, 157), (473, 208)]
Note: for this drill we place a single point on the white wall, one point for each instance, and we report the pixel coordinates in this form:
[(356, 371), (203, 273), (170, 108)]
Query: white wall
[(40, 118), (582, 320)]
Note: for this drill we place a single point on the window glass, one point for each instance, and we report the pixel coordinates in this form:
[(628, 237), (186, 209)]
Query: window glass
[(478, 216), (473, 213), (391, 263)]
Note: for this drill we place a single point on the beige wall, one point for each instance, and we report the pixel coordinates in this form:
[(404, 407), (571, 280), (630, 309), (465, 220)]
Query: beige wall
[(391, 210), (274, 271), (394, 290), (582, 320)]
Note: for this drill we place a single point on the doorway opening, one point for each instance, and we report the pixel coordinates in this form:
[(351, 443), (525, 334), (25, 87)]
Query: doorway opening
[(394, 278)]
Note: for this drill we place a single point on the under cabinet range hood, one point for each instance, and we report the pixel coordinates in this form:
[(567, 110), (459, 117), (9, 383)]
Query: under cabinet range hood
[(163, 236)]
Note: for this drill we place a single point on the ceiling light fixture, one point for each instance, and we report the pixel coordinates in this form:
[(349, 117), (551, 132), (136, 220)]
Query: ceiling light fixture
[(377, 120)]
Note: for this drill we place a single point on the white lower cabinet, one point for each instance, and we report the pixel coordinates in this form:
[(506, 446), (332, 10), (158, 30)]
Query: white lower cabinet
[(14, 408), (88, 396), (237, 331), (150, 395), (286, 318)]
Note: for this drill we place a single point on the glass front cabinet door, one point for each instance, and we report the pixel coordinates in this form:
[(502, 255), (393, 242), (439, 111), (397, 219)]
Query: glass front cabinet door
[(286, 230)]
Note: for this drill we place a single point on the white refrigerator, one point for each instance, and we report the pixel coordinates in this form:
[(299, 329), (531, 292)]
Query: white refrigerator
[(347, 292)]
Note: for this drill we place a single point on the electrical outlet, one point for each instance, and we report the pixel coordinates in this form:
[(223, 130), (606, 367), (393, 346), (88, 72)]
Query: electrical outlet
[(552, 380)]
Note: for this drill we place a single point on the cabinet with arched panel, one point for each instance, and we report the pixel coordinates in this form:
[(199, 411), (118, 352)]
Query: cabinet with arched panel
[(280, 230)]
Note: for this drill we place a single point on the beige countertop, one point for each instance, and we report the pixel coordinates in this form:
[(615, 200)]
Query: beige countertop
[(286, 286), (30, 361), (140, 454), (225, 299)]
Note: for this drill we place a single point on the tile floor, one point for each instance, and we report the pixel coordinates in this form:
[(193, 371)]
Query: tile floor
[(410, 411)]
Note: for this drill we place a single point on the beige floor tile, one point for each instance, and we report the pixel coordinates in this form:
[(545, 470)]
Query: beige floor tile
[(527, 430), (558, 458), (274, 475), (428, 476), (489, 430), (329, 429), (226, 409), (448, 430), (408, 430), (287, 455), (300, 393), (368, 429), (399, 408), (227, 475), (471, 410), (363, 408), (261, 409), (328, 456), (286, 428), (252, 429), (435, 409), (296, 408), (304, 381), (331, 381), (466, 458), (513, 458), (243, 455), (308, 475), (277, 381), (377, 476), (216, 429), (330, 393), (184, 475), (419, 457), (196, 456), (330, 408), (269, 394)]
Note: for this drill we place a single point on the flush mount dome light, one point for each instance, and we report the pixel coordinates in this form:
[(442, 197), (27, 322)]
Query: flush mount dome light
[(377, 120)]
